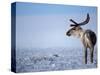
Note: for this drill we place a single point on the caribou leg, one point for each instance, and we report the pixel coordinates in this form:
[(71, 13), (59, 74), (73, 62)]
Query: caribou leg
[(91, 54), (86, 56)]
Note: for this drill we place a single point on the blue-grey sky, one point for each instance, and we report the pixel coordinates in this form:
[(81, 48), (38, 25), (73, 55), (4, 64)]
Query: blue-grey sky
[(45, 25)]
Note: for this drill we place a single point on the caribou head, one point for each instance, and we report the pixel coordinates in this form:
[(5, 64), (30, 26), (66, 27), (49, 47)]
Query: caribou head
[(76, 27)]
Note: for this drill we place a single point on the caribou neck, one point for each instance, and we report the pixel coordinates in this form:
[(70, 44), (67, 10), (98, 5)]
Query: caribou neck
[(81, 34)]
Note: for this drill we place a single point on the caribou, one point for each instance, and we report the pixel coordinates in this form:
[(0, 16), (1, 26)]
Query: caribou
[(88, 37)]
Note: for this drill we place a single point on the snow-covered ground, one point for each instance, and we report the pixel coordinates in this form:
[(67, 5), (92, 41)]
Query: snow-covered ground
[(50, 59)]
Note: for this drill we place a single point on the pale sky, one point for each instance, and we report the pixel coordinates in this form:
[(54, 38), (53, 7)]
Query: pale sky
[(45, 25)]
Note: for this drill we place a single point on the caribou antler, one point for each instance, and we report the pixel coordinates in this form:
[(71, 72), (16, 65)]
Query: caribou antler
[(73, 22), (82, 23)]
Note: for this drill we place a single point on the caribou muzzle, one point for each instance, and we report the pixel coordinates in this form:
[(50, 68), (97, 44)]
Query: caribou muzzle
[(68, 33)]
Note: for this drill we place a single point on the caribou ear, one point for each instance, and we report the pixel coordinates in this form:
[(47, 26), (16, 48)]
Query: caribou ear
[(72, 25)]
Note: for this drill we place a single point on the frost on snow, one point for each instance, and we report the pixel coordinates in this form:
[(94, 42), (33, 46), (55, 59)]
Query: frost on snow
[(50, 59)]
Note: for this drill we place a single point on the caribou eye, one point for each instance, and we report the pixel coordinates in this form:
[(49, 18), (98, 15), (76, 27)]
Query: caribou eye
[(74, 29)]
